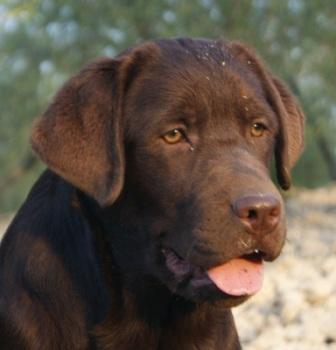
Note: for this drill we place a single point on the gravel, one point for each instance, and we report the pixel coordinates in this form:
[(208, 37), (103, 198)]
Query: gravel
[(296, 309)]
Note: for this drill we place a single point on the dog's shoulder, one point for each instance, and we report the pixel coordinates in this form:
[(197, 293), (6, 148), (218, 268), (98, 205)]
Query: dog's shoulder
[(56, 263)]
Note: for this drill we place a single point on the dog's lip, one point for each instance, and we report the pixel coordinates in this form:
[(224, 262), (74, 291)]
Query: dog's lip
[(183, 271), (171, 255), (255, 255), (198, 276), (176, 263)]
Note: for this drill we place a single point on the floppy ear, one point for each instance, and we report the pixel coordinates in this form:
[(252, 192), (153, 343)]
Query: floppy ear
[(80, 135), (290, 140), (293, 124)]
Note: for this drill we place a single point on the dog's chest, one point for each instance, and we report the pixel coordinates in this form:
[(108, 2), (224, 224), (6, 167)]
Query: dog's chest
[(137, 337), (196, 330)]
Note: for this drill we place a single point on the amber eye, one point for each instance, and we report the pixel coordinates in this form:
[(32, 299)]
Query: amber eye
[(174, 136), (257, 129)]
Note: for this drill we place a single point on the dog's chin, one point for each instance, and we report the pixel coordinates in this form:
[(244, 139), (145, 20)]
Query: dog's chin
[(193, 283)]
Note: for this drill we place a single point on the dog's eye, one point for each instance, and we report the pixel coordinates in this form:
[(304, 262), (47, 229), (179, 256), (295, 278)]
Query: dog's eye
[(174, 136), (258, 129)]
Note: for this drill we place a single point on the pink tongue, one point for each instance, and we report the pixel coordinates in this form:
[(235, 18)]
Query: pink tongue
[(238, 276)]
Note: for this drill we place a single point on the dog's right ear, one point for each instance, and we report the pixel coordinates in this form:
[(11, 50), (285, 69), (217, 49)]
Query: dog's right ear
[(80, 136)]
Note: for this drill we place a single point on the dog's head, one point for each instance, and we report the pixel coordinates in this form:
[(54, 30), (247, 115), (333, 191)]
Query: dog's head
[(175, 140)]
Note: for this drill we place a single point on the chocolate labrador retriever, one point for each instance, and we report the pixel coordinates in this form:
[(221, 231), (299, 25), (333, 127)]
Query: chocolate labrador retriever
[(157, 209)]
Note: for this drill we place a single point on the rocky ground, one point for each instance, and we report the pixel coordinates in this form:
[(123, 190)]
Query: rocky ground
[(296, 309)]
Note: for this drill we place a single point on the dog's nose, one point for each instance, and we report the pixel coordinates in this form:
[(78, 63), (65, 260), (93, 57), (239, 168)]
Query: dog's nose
[(259, 214)]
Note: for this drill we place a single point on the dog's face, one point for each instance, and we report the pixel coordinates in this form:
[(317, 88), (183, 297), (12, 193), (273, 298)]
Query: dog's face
[(176, 139)]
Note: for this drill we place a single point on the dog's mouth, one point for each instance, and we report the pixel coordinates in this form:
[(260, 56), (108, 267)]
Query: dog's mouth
[(242, 276)]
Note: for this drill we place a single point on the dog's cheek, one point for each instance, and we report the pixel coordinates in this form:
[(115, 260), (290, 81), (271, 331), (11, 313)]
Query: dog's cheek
[(160, 176)]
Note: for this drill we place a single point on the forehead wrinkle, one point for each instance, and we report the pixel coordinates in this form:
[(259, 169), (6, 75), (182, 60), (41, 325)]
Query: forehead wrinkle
[(244, 99), (156, 111), (169, 92)]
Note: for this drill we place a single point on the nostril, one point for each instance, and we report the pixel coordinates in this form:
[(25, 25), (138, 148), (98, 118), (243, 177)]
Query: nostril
[(275, 211), (252, 214)]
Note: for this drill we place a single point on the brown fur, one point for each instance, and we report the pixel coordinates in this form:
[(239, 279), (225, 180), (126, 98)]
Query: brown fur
[(84, 264)]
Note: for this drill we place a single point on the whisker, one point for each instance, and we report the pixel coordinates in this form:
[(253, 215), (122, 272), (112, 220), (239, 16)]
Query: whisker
[(243, 243)]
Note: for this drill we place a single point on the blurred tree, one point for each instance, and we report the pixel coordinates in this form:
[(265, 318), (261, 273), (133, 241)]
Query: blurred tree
[(42, 42)]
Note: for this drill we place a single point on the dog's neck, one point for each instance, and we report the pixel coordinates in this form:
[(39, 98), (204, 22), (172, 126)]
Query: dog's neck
[(198, 327)]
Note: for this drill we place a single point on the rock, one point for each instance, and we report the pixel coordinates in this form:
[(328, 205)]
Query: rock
[(292, 305)]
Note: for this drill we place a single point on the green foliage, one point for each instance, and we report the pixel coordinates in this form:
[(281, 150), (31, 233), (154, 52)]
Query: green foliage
[(42, 42)]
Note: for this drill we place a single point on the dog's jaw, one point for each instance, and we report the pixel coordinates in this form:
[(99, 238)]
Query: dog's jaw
[(199, 284)]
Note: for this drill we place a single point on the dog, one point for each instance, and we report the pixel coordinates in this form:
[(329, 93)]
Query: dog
[(157, 208)]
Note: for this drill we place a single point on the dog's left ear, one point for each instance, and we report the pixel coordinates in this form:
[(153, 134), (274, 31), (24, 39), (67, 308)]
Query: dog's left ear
[(80, 136), (290, 145), (290, 140)]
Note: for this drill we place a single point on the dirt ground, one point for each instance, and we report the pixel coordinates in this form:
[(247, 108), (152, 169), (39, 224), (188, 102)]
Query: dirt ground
[(296, 309)]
